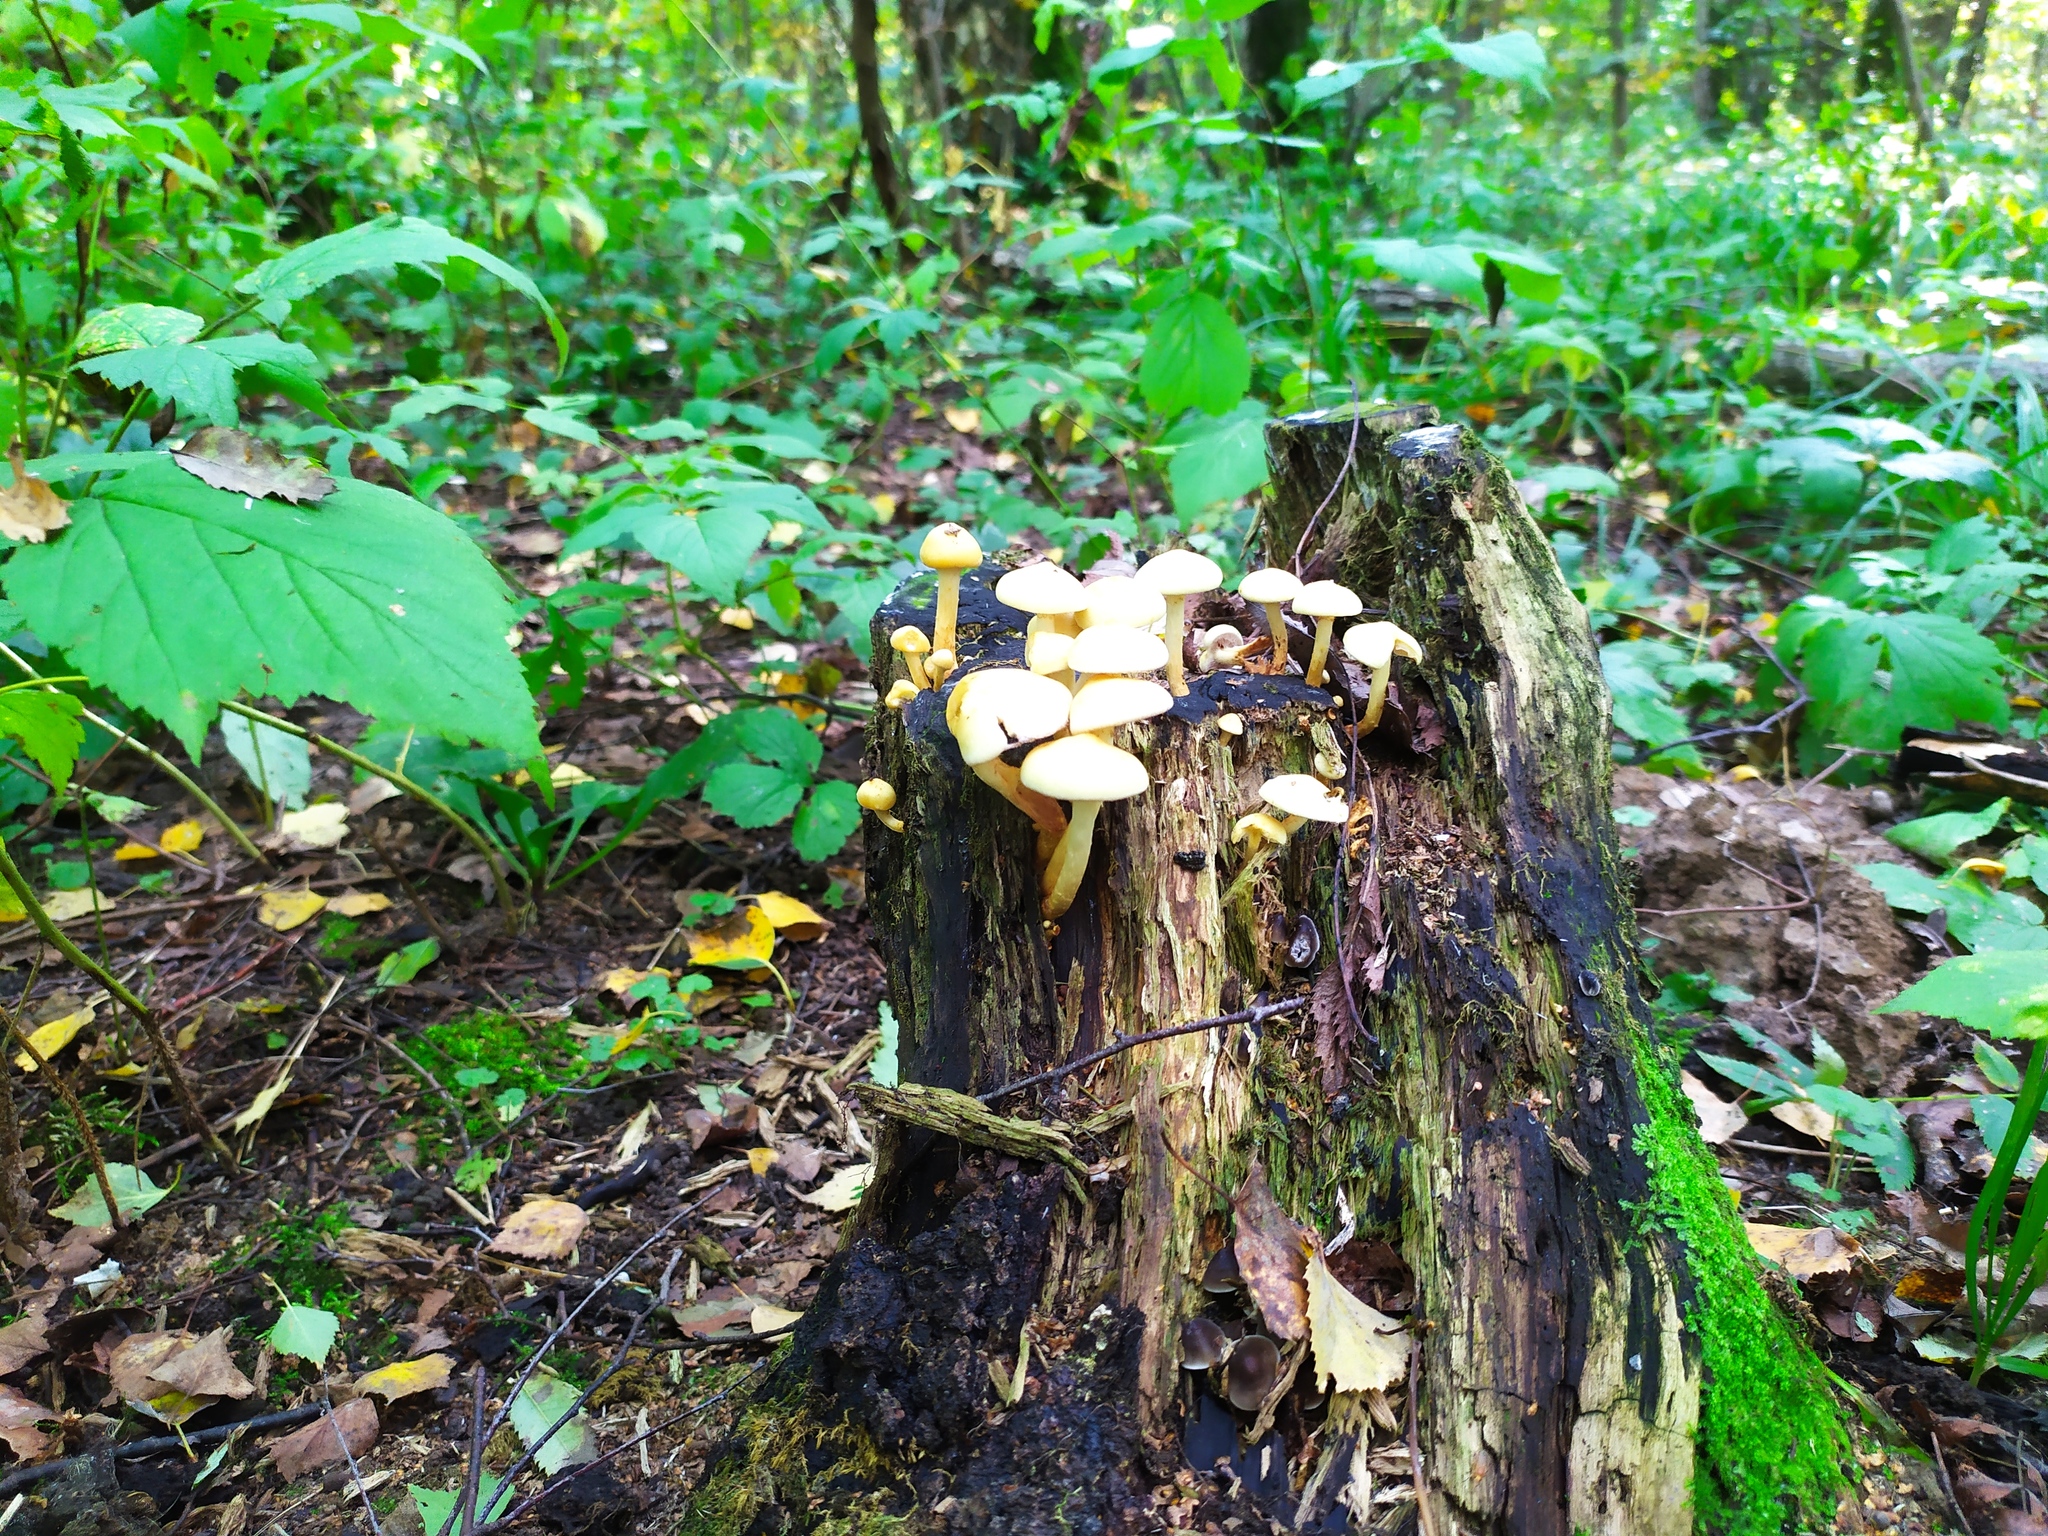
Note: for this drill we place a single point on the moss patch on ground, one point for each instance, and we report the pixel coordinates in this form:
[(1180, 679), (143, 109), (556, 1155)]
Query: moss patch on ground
[(1771, 1447)]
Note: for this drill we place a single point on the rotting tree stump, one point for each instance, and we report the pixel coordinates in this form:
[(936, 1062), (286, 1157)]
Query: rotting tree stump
[(1464, 1085)]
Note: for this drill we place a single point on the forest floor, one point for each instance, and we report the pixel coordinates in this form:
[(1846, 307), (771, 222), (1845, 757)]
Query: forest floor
[(437, 1161)]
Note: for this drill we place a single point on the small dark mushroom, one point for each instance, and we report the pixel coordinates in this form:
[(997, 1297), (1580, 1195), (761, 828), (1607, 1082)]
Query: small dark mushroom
[(1201, 1344), (1306, 944), (1222, 1277), (1254, 1367)]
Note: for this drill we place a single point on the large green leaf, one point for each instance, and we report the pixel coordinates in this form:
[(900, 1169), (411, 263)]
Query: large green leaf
[(177, 596), (752, 794), (1940, 671), (827, 820), (127, 326), (48, 727), (199, 375), (2003, 993), (1194, 355), (390, 241), (1934, 838), (1218, 460)]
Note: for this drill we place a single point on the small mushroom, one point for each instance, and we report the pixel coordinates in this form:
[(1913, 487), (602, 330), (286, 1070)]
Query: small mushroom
[(1223, 1276), (1177, 575), (1326, 602), (1121, 600), (1116, 648), (1375, 646), (948, 549), (1084, 772), (1046, 654), (901, 692), (1044, 591), (1329, 765), (1231, 724), (1201, 1344), (1221, 646), (908, 641), (1253, 1368), (1104, 703), (1270, 588), (879, 796), (998, 708), (939, 665), (1303, 798), (1268, 829)]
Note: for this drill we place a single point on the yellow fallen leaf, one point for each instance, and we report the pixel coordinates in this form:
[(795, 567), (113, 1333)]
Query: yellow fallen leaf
[(1807, 1118), (767, 1319), (317, 826), (842, 1191), (126, 1069), (286, 910), (65, 905), (624, 978), (182, 837), (792, 919), (50, 1038), (736, 617), (359, 903), (1719, 1119), (541, 1229), (740, 937), (133, 850), (1358, 1347), (10, 906), (963, 418), (760, 1159), (1803, 1252), (188, 1036), (884, 505), (260, 1105), (429, 1373), (29, 509)]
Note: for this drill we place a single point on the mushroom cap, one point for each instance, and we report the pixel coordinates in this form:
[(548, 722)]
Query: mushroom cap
[(1303, 794), (1041, 587), (1271, 585), (876, 795), (1047, 651), (1180, 573), (1104, 703), (1083, 768), (1201, 1344), (1261, 823), (1215, 640), (1254, 1367), (1222, 1275), (901, 692), (1376, 644), (949, 547), (1005, 706), (1121, 600), (1327, 600), (1231, 724), (1114, 648), (909, 639)]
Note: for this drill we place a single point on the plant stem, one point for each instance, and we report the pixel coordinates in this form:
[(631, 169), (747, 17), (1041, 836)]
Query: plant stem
[(69, 1095), (1986, 1219)]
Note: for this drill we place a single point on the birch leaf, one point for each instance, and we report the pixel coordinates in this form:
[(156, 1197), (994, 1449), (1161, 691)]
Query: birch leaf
[(1358, 1347)]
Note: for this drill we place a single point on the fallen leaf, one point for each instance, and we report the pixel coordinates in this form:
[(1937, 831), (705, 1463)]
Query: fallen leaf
[(740, 939), (318, 1445), (739, 1123), (19, 1416), (78, 1251), (286, 910), (797, 1160), (711, 1318), (232, 460), (139, 1365), (1928, 1286), (24, 1340), (260, 1106), (427, 1374), (205, 1369), (1956, 1431), (62, 906), (132, 850), (1803, 1252), (1358, 1347), (760, 1159), (50, 1038), (1271, 1257), (541, 1229), (317, 826), (182, 837), (1806, 1118), (634, 1137), (432, 1305), (431, 1339), (963, 418), (1719, 1119), (767, 1319), (476, 869), (359, 903), (792, 919), (371, 792), (535, 1411), (842, 1191), (29, 509), (622, 979), (134, 1192)]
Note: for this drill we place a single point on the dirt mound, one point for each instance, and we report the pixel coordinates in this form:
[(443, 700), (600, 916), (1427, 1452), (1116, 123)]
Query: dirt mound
[(1743, 880)]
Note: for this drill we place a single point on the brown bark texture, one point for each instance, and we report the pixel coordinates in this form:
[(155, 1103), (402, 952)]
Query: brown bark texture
[(874, 116), (999, 1338)]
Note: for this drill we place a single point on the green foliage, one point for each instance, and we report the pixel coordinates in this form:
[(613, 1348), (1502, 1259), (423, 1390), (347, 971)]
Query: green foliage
[(306, 1333), (1870, 1126), (401, 965), (48, 726), (534, 1059), (134, 1193)]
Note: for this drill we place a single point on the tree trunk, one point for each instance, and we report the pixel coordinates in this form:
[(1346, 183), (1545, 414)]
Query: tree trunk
[(1963, 79), (874, 117), (1456, 1092), (1617, 96)]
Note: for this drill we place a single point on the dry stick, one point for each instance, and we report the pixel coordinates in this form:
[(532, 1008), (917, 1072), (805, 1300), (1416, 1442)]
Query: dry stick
[(159, 1047), (1258, 1013), (70, 1098), (472, 1474), (355, 1472), (412, 896)]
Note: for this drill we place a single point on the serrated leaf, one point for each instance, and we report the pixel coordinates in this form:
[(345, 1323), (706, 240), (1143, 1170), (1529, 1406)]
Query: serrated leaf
[(1942, 671), (198, 375), (828, 818), (305, 1332), (753, 794), (1218, 460), (1357, 1348), (2002, 993), (49, 729), (229, 460), (713, 547), (177, 596), (128, 326), (1194, 356), (83, 109), (134, 1192)]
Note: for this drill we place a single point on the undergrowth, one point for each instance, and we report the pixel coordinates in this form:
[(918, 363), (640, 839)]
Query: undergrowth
[(495, 1064)]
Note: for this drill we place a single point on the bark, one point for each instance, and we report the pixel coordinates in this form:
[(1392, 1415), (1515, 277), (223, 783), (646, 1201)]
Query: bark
[(1617, 103), (1818, 371), (1963, 79), (1463, 1081), (875, 132)]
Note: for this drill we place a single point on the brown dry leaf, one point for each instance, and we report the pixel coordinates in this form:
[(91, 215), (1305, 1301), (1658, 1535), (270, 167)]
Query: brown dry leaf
[(229, 460), (1358, 1347), (19, 1416), (392, 1382), (1803, 1252), (76, 1252), (132, 1367), (1806, 1118), (317, 1445), (205, 1369), (29, 509), (24, 1339), (1270, 1257), (792, 919), (797, 1160), (1719, 1119), (542, 1229)]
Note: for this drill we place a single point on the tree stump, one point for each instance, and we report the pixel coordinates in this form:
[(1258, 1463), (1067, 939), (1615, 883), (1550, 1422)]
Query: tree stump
[(1463, 1083)]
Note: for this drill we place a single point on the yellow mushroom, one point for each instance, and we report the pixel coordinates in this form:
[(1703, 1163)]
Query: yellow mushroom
[(1376, 645), (1177, 575), (1084, 772), (901, 692), (1326, 602), (909, 642), (879, 796), (950, 550), (1270, 588)]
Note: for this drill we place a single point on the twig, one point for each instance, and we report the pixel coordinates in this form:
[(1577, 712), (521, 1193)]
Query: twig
[(473, 1469), (1783, 906), (354, 1471), (1819, 937), (412, 896), (287, 1418), (70, 1097), (1256, 1014), (1423, 1515), (1948, 1490)]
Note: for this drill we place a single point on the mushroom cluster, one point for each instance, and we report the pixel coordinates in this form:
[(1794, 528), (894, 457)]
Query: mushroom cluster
[(1087, 651)]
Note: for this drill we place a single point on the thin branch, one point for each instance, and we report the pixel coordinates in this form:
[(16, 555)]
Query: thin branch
[(1258, 1013)]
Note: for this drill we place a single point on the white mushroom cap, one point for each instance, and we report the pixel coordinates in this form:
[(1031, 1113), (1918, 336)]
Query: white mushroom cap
[(1104, 703), (1084, 768), (1180, 573), (1327, 600), (1376, 645), (1301, 794), (1004, 707), (1214, 642), (1047, 651), (1041, 587), (1114, 648), (1122, 601), (1271, 585)]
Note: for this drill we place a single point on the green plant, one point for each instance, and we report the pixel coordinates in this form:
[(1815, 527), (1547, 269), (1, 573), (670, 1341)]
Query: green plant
[(1869, 1126)]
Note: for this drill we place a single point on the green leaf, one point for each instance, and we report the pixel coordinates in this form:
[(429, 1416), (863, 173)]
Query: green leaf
[(1950, 466), (1941, 671), (306, 1332), (753, 795), (276, 762), (177, 596), (1514, 56), (712, 547), (127, 326), (199, 375), (49, 729), (1642, 703), (828, 819), (1218, 459), (885, 1068), (134, 1192), (778, 736), (1194, 355), (83, 109), (382, 243), (1757, 1079), (1934, 838), (437, 1509), (2004, 994), (1996, 1066), (159, 35), (1977, 915), (542, 1401), (401, 965)]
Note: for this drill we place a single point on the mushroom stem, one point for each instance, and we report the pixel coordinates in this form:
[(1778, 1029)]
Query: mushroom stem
[(916, 670), (1324, 629), (1070, 859), (939, 664), (1002, 778), (1176, 632), (1376, 700), (947, 619), (1277, 661), (890, 820)]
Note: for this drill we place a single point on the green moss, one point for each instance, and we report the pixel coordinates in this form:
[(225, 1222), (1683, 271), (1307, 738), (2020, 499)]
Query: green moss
[(1771, 1443), (534, 1059), (772, 1466)]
